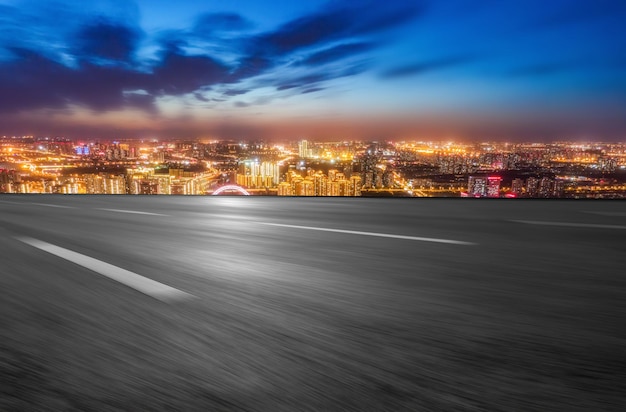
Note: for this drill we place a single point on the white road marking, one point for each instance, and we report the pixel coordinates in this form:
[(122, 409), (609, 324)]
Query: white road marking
[(355, 232), (142, 284), (607, 213), (135, 212), (49, 205), (569, 224)]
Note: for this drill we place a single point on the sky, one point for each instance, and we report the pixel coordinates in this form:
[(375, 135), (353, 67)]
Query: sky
[(332, 70)]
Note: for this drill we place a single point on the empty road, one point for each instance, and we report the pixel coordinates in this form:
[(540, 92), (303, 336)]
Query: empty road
[(283, 304)]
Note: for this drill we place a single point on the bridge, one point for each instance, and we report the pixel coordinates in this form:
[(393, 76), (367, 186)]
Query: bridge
[(231, 188)]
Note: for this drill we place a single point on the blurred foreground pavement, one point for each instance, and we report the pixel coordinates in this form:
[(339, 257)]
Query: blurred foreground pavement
[(395, 304)]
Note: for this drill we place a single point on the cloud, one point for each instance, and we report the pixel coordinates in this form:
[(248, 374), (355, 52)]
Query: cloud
[(178, 73), (425, 67), (313, 90), (200, 97), (210, 23), (340, 52), (33, 81), (103, 39), (336, 21), (97, 62), (235, 92)]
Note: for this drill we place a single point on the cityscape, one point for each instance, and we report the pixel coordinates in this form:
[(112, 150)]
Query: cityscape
[(307, 168), (320, 205)]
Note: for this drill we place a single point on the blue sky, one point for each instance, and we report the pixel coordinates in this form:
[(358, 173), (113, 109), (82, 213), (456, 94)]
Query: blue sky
[(348, 69)]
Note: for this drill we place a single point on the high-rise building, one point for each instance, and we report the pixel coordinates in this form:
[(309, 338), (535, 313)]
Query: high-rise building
[(559, 188), (254, 174), (546, 187), (303, 149), (517, 187), (284, 189), (344, 187), (320, 182), (532, 187), (477, 186), (493, 186), (355, 186), (148, 187)]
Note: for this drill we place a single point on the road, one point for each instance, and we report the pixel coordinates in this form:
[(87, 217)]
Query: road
[(283, 304)]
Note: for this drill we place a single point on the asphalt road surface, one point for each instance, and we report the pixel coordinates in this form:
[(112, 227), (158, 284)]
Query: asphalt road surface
[(285, 304)]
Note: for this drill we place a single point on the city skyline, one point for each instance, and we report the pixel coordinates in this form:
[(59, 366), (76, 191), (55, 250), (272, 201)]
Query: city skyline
[(508, 170), (338, 70)]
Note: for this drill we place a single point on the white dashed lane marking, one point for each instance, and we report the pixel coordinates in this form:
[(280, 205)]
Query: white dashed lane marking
[(614, 214), (570, 224), (133, 280), (49, 205), (387, 235), (134, 212)]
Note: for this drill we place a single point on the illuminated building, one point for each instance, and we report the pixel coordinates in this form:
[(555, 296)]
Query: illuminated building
[(387, 179), (477, 186), (9, 180), (305, 187), (333, 188), (147, 187), (320, 184), (344, 187), (545, 187), (332, 175), (517, 187), (303, 149), (532, 187), (253, 174), (559, 188), (109, 184), (114, 185), (284, 189), (493, 186), (355, 186)]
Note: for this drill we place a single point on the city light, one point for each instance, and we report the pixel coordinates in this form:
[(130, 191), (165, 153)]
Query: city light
[(402, 169)]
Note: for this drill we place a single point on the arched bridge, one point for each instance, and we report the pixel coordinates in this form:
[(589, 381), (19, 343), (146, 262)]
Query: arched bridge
[(231, 188)]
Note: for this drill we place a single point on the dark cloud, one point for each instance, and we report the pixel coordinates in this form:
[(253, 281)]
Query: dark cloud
[(34, 81), (200, 97), (241, 104), (286, 87), (235, 92), (313, 90), (312, 80), (97, 65), (303, 81), (107, 40), (336, 22), (178, 73), (425, 67), (337, 53), (214, 22), (251, 66)]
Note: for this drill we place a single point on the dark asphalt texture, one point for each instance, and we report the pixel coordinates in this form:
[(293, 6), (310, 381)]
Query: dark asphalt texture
[(530, 317)]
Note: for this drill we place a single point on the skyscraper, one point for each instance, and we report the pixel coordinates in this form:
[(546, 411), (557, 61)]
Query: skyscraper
[(303, 149), (477, 186), (493, 186)]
